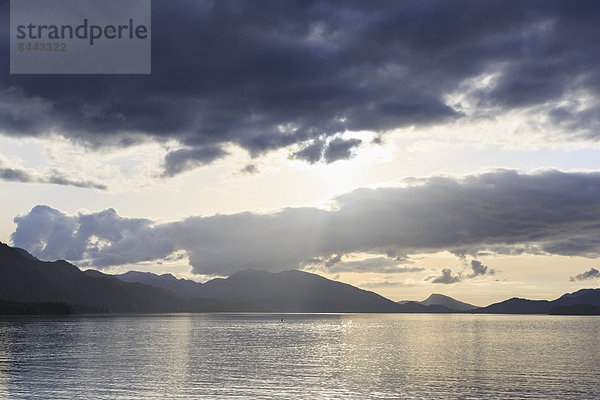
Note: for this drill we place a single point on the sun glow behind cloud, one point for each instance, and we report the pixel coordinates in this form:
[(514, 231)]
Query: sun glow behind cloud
[(310, 103)]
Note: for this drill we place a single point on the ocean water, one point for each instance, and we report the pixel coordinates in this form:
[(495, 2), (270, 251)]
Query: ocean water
[(315, 356)]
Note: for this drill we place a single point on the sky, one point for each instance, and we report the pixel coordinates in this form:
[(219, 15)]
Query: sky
[(405, 147)]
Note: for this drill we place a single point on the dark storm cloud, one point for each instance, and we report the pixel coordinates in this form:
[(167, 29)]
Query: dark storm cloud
[(11, 174), (501, 210), (269, 75), (592, 273)]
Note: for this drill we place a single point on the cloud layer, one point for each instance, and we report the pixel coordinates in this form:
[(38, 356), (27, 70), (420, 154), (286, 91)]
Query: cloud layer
[(22, 175), (504, 212), (296, 74)]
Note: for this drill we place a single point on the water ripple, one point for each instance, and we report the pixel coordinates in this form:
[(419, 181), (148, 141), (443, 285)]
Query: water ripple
[(241, 356)]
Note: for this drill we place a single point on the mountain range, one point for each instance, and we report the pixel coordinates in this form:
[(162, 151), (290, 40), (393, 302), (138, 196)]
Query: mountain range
[(289, 291), (24, 278), (297, 291), (35, 286)]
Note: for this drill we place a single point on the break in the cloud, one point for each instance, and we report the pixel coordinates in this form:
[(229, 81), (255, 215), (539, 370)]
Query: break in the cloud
[(22, 175), (296, 74), (334, 150), (592, 273), (385, 265), (548, 212)]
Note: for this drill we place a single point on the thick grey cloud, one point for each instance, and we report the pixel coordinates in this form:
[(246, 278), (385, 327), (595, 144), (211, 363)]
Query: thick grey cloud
[(47, 233), (548, 212), (11, 174), (269, 75), (592, 273), (104, 237)]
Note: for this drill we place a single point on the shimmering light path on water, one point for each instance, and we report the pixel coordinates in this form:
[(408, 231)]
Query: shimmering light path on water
[(355, 356)]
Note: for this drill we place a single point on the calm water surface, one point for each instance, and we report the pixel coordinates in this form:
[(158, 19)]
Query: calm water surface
[(399, 356)]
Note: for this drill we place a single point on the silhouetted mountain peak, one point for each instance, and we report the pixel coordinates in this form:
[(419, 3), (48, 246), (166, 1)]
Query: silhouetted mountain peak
[(580, 292), (25, 253), (583, 296), (94, 273), (138, 273), (448, 302), (295, 291), (439, 301), (249, 273), (516, 305)]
